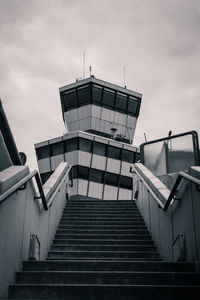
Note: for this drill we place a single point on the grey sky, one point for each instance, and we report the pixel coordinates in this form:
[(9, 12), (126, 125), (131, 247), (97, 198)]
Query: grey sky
[(42, 44)]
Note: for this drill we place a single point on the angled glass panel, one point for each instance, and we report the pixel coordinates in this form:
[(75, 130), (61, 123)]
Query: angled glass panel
[(99, 149), (111, 179), (96, 94), (70, 100), (96, 175), (132, 106), (56, 149), (125, 182), (108, 98), (85, 145), (71, 145), (114, 152), (127, 156), (42, 152), (84, 95), (121, 102)]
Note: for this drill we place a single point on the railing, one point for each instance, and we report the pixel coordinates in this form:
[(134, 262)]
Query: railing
[(171, 154), (171, 197), (19, 185)]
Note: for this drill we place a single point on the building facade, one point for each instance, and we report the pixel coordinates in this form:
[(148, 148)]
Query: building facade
[(100, 119)]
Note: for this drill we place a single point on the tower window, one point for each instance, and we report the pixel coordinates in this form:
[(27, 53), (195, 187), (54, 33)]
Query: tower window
[(56, 149), (70, 99), (121, 102), (108, 98), (96, 175), (111, 179), (83, 172), (42, 152), (84, 95), (132, 106), (127, 156), (85, 145), (71, 145), (96, 94), (114, 152), (99, 149), (125, 182)]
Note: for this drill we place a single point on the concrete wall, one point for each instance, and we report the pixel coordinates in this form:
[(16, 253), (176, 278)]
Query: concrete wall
[(181, 217), (21, 215)]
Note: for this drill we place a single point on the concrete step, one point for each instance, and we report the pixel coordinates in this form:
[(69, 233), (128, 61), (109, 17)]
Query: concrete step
[(104, 258), (104, 236), (108, 265), (101, 202), (66, 225), (101, 242), (63, 229), (61, 247), (105, 218), (107, 277), (102, 214), (102, 222), (103, 209), (105, 292), (104, 254)]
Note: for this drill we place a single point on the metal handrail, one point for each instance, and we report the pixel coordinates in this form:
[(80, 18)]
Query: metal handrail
[(22, 182), (181, 175)]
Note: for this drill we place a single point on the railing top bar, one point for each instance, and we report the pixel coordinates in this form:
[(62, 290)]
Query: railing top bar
[(193, 133)]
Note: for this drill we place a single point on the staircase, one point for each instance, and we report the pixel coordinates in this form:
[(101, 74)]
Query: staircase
[(103, 251)]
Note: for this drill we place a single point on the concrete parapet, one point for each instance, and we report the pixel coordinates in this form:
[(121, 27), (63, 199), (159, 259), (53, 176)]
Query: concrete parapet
[(12, 175)]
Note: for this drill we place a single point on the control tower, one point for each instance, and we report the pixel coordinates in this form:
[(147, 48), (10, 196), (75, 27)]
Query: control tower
[(101, 108), (100, 120)]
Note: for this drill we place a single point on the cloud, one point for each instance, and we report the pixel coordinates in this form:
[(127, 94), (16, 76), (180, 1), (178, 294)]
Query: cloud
[(42, 44)]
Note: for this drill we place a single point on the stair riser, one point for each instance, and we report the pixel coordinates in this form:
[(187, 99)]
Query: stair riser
[(107, 266), (102, 242), (102, 292), (124, 278), (103, 254), (100, 209), (94, 219), (63, 225), (106, 231), (104, 236), (101, 248), (102, 214), (93, 222)]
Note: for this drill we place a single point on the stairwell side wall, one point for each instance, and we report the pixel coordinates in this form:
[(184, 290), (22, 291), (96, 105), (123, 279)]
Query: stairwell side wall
[(182, 217), (20, 217)]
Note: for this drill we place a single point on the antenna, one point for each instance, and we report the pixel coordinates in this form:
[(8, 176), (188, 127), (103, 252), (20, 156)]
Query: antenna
[(83, 64), (124, 76), (90, 69)]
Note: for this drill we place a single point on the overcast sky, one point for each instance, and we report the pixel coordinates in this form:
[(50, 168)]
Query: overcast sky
[(41, 49)]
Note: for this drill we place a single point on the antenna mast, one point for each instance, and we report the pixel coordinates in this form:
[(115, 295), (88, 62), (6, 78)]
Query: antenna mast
[(83, 64), (124, 76)]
